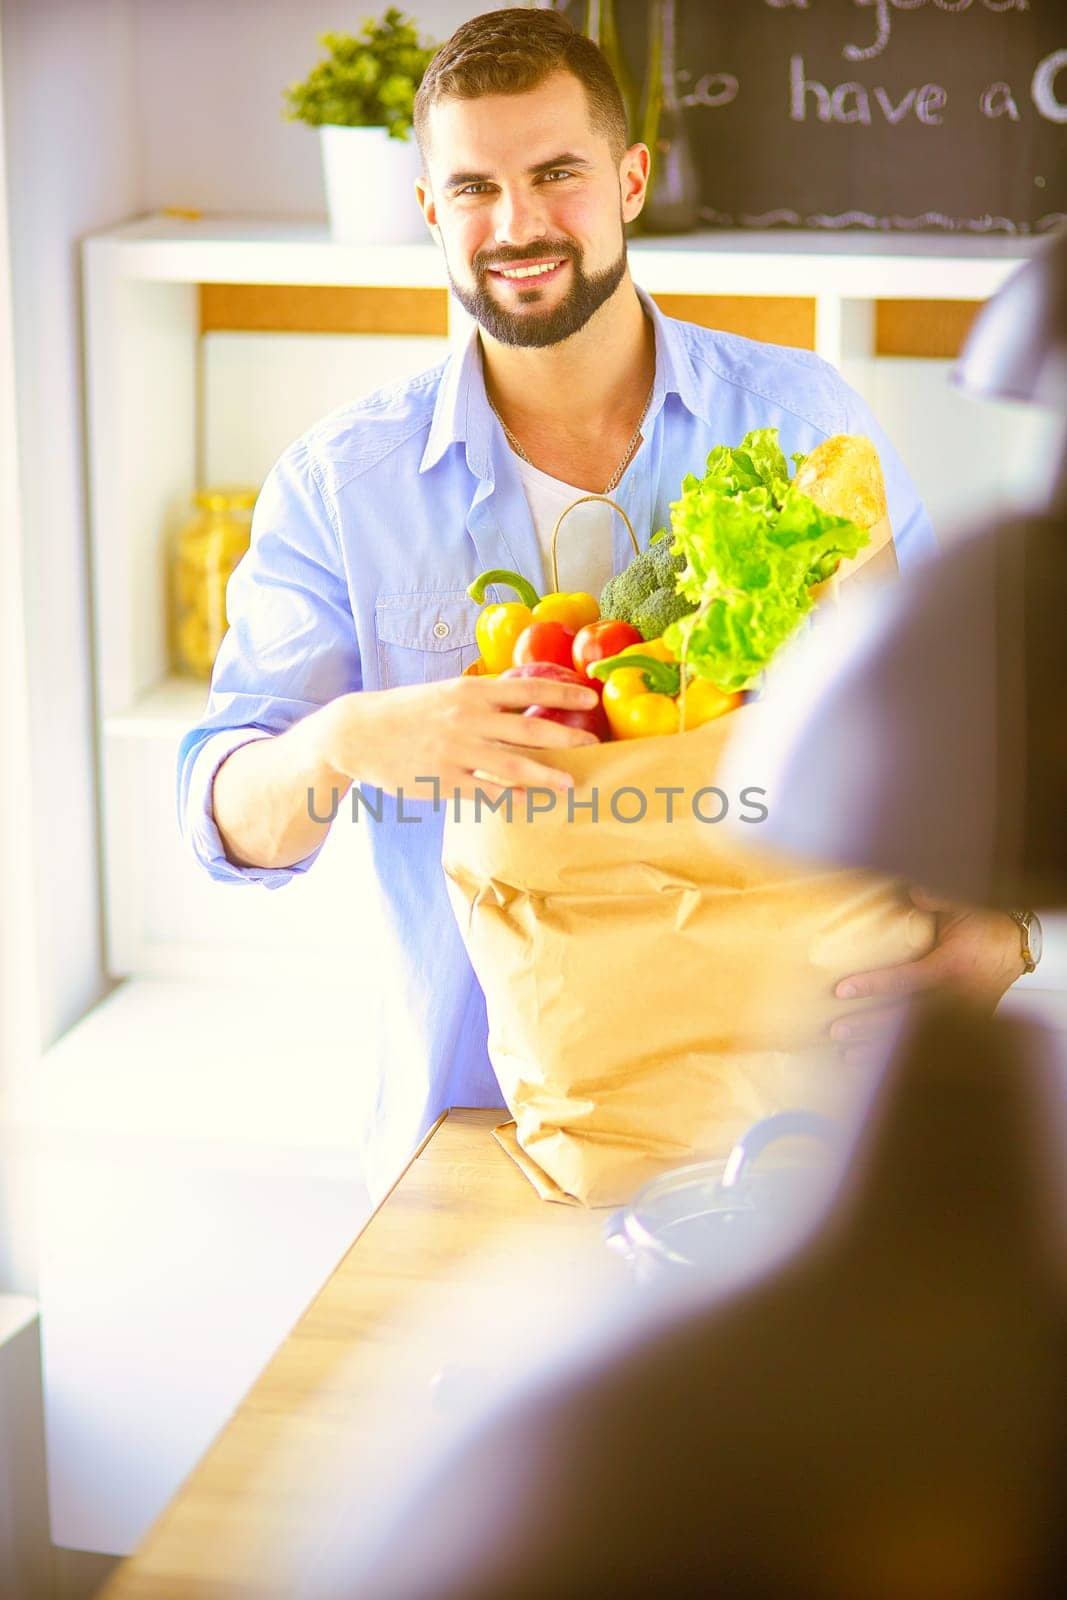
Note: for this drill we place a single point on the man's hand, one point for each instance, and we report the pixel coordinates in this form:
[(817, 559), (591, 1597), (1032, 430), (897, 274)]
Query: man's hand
[(465, 732), (977, 954)]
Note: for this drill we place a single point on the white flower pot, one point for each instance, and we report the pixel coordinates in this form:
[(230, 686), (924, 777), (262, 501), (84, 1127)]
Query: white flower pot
[(370, 186)]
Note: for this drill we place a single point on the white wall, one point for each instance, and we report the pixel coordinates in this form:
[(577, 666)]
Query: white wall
[(18, 945), (72, 166), (206, 67), (54, 182)]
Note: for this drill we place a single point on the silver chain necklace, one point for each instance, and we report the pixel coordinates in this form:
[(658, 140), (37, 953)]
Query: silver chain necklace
[(619, 470)]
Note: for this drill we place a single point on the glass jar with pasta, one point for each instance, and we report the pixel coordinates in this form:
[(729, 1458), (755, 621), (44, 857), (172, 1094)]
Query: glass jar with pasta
[(204, 554)]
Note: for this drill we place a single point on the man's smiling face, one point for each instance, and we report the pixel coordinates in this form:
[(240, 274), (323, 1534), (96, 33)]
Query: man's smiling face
[(526, 193)]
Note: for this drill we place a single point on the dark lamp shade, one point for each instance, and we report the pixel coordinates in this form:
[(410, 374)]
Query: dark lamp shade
[(924, 734)]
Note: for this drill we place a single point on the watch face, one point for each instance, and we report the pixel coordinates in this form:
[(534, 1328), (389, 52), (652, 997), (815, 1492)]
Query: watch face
[(1036, 940)]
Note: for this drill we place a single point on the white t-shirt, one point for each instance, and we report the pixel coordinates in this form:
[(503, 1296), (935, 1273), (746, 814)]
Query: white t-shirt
[(584, 547)]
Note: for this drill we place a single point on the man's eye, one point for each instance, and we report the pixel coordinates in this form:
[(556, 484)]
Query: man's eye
[(558, 172), (473, 188)]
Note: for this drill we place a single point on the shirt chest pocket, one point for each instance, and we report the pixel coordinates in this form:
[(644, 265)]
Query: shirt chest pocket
[(423, 638)]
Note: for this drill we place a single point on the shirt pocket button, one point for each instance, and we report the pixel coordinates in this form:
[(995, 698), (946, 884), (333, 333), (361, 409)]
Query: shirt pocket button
[(424, 637)]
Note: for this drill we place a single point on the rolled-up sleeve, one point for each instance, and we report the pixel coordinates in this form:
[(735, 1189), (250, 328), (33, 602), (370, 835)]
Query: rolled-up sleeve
[(290, 648)]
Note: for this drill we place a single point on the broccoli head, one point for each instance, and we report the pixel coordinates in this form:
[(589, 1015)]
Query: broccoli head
[(654, 615), (644, 593)]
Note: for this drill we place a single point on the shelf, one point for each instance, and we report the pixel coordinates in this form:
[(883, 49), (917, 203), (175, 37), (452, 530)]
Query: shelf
[(166, 711), (844, 266), (246, 250), (850, 265)]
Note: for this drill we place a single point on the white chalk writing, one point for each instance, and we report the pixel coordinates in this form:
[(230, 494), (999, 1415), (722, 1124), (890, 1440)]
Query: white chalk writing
[(997, 100), (883, 14), (851, 102), (713, 89), (788, 218), (1043, 87)]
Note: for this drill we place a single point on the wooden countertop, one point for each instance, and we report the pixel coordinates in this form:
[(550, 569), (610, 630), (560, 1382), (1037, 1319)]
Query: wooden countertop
[(370, 1365)]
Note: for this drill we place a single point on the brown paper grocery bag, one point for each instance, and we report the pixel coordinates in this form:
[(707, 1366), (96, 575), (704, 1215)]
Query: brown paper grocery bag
[(654, 986), (506, 1136)]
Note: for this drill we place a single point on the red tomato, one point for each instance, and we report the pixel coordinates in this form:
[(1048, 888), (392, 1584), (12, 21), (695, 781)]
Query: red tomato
[(544, 641), (599, 640)]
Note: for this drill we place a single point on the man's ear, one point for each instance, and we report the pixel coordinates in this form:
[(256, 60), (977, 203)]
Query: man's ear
[(633, 180), (426, 202)]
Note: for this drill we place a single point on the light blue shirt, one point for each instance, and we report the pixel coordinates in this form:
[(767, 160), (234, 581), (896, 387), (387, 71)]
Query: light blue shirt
[(364, 539)]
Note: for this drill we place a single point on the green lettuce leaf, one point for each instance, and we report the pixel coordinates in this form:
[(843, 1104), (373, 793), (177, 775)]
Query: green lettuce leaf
[(753, 547)]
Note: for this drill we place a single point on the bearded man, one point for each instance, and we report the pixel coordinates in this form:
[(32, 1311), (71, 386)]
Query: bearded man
[(350, 621)]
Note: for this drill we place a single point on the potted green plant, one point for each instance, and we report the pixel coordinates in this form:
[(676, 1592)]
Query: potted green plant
[(361, 99)]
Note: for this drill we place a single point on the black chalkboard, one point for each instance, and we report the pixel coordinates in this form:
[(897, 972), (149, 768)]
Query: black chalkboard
[(892, 115)]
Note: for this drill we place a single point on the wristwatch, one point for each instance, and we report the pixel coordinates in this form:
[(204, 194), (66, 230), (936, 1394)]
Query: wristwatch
[(1032, 939)]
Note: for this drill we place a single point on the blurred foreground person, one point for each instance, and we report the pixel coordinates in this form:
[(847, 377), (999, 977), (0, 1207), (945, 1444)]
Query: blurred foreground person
[(884, 1416)]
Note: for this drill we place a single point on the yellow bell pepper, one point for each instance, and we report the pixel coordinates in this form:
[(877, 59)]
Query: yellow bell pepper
[(632, 710), (499, 626), (703, 702), (646, 699), (497, 629), (656, 648), (573, 610)]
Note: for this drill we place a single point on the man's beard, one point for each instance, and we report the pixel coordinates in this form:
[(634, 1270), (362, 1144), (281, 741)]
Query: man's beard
[(531, 329)]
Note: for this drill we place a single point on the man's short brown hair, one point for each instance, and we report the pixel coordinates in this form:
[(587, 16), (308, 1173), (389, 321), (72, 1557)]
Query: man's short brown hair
[(510, 52)]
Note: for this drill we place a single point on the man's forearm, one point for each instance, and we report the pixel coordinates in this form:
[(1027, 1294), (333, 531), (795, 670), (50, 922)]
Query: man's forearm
[(260, 796)]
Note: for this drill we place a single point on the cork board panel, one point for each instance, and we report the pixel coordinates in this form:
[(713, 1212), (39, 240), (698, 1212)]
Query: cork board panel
[(923, 327), (918, 328), (314, 308), (776, 319)]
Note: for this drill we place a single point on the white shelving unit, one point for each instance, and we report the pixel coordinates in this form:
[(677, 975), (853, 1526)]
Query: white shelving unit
[(198, 1127)]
